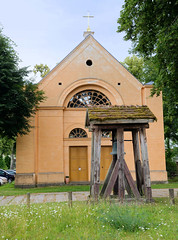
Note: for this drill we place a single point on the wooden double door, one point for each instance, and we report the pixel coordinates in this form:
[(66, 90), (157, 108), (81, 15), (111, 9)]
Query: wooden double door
[(78, 157)]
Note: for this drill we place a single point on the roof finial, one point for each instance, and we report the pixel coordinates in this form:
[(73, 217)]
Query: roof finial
[(88, 16)]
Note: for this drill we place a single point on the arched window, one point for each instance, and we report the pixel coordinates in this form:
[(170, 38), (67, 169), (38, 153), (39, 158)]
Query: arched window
[(88, 98), (78, 133)]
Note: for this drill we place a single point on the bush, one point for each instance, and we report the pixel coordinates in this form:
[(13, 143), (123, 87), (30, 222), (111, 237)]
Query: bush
[(171, 168), (170, 164), (127, 218)]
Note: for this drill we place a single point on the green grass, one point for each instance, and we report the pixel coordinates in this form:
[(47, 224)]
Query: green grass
[(9, 189), (165, 185), (89, 221)]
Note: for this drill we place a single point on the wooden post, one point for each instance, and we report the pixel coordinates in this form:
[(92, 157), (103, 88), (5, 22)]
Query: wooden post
[(171, 196), (114, 138), (28, 200), (138, 166), (92, 167), (70, 199), (146, 169), (120, 159), (148, 195), (97, 151)]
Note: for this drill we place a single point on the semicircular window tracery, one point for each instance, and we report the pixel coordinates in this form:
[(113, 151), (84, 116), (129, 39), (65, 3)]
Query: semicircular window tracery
[(88, 98), (78, 133)]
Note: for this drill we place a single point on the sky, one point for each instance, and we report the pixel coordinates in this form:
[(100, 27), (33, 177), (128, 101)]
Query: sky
[(46, 31)]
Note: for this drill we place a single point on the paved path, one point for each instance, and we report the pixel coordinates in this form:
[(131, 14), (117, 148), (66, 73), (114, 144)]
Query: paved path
[(63, 196)]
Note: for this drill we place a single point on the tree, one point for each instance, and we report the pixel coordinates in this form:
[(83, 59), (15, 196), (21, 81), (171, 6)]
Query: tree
[(7, 151), (18, 96), (42, 69), (135, 65), (152, 26), (146, 72)]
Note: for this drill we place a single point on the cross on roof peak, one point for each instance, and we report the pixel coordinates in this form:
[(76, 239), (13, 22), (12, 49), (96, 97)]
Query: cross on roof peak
[(89, 16)]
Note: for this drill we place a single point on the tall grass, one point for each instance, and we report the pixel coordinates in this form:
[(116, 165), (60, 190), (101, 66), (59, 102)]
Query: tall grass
[(88, 221)]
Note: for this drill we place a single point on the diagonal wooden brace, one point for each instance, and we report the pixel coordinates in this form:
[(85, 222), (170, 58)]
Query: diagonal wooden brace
[(112, 177), (131, 181)]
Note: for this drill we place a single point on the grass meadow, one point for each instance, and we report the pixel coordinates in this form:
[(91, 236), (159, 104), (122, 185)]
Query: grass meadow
[(88, 221), (9, 189)]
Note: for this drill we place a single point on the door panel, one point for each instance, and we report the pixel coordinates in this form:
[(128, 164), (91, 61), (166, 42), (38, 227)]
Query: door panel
[(78, 164), (106, 159)]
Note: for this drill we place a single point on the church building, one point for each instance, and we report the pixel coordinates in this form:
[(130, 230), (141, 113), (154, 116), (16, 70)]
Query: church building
[(59, 145)]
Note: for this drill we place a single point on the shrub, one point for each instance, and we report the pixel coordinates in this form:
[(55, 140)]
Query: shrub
[(130, 219)]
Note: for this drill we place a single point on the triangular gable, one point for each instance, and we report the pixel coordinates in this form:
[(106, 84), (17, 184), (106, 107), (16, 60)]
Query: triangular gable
[(90, 41)]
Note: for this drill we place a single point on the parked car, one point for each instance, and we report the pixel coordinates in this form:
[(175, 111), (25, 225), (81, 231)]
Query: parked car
[(3, 180), (11, 171), (10, 177)]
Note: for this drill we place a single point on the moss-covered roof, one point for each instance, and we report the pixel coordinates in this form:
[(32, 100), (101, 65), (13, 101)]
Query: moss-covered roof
[(110, 113)]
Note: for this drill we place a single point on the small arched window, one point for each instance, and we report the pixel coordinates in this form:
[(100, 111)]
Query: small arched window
[(88, 98), (78, 133)]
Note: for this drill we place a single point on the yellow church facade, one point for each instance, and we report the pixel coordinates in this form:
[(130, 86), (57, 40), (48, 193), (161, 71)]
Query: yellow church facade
[(59, 145)]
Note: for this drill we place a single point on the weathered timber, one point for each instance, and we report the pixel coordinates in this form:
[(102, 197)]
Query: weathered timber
[(114, 139), (138, 166), (28, 200), (146, 169), (131, 181), (120, 160), (121, 121), (92, 167), (97, 151), (148, 195), (126, 127), (111, 180), (171, 196), (106, 181), (70, 199)]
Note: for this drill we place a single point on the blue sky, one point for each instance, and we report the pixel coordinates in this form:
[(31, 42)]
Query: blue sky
[(45, 31)]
